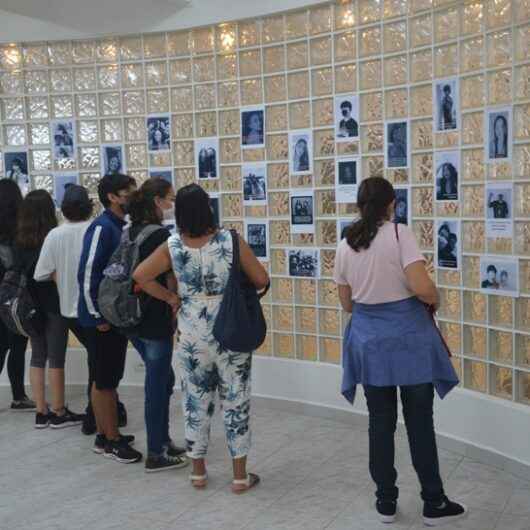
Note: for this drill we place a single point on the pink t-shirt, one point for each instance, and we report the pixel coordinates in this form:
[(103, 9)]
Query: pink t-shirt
[(377, 275)]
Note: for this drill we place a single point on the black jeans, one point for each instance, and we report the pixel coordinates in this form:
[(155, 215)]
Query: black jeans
[(417, 403), (16, 346)]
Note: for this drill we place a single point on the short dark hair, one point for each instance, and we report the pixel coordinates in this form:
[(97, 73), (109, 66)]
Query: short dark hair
[(447, 88), (142, 207), (10, 201), (113, 184), (77, 211), (491, 268), (504, 273), (346, 104), (193, 212)]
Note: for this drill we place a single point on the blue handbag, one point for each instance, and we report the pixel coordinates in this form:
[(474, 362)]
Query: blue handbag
[(240, 324)]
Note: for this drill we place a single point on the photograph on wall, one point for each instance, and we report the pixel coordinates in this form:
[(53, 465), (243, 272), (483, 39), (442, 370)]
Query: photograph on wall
[(302, 213), (171, 225), (252, 127), (255, 184), (499, 134), (446, 101), (346, 117), (300, 152), (16, 168), (402, 207), (447, 171), (159, 133), (499, 276), (342, 227), (499, 209), (396, 145), (164, 173), (63, 134), (448, 244), (112, 159), (207, 158), (60, 183), (303, 263), (256, 234), (347, 178), (216, 208)]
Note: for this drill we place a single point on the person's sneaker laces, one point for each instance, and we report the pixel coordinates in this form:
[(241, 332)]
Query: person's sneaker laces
[(173, 450), (23, 404), (68, 419), (42, 420), (101, 440), (121, 451), (122, 415), (445, 512), (387, 511), (161, 463)]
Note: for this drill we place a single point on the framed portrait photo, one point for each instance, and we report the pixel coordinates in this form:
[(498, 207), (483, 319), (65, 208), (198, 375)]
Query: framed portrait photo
[(498, 127), (448, 244), (112, 159), (446, 99), (16, 169), (301, 152), (402, 210), (499, 276), (346, 118), (397, 144), (63, 138), (499, 209), (447, 171), (207, 158), (252, 127), (159, 133), (302, 212), (347, 178)]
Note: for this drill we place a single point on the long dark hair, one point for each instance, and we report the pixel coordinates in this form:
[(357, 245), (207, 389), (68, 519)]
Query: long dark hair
[(375, 196), (10, 201), (142, 207), (193, 212), (36, 217), (504, 139)]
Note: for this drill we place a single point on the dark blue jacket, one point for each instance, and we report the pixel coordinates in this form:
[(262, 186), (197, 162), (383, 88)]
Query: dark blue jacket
[(101, 240)]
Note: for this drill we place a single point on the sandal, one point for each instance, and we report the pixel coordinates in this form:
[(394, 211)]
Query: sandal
[(243, 485), (199, 482)]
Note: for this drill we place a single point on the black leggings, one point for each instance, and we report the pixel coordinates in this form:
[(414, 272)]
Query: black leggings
[(16, 346)]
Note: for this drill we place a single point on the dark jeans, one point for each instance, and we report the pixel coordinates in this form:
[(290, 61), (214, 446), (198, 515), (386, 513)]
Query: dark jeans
[(417, 403), (159, 382), (16, 346)]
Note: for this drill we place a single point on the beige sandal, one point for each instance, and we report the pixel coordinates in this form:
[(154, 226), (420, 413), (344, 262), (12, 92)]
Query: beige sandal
[(243, 485), (199, 482)]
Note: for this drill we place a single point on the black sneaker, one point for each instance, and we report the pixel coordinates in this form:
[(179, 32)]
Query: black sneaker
[(387, 511), (122, 415), (173, 451), (42, 420), (68, 419), (21, 405), (89, 422), (99, 443), (121, 452), (446, 512), (161, 463)]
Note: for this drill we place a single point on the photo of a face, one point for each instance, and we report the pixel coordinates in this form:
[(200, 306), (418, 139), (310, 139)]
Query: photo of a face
[(207, 150), (252, 127), (499, 203), (347, 172), (63, 140), (447, 164), (448, 244), (302, 210), (300, 153), (346, 118), (397, 144), (112, 159), (499, 276), (446, 100), (401, 209), (499, 134), (159, 133), (256, 234), (16, 168)]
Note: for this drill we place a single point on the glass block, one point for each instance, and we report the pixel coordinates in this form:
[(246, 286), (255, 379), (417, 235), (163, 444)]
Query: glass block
[(501, 311), (500, 86), (473, 93), (297, 55), (278, 176), (305, 291), (327, 236), (15, 135), (136, 156), (370, 11), (370, 41), (421, 66), (36, 81), (522, 200), (231, 178), (422, 168), (499, 13), (472, 53), (280, 232), (327, 263), (41, 159), (324, 143), (321, 51), (422, 202), (111, 130), (447, 140), (277, 146), (283, 318), (85, 79), (473, 201), (87, 131), (283, 345), (422, 136), (83, 51), (273, 59), (61, 80), (321, 81), (475, 343), (184, 176), (476, 375), (524, 276), (35, 54), (373, 139), (395, 8), (273, 29), (178, 43), (183, 126), (229, 122), (230, 151), (370, 75), (500, 170), (296, 24), (11, 82), (278, 203), (501, 346), (134, 102), (473, 18), (202, 40), (346, 78), (395, 37), (501, 382), (475, 307), (521, 118), (424, 234), (206, 124), (522, 160), (204, 69), (473, 165), (43, 182), (499, 48), (522, 349), (12, 109), (155, 45), (325, 172), (323, 112), (132, 75), (90, 181), (372, 107), (131, 48), (179, 71), (248, 33), (10, 56), (109, 104), (156, 73), (330, 350), (275, 88), (251, 92), (522, 82), (522, 312), (250, 63), (276, 118), (228, 94), (420, 29), (327, 293), (473, 236), (306, 348), (298, 85), (373, 166), (89, 157), (452, 335), (329, 322), (449, 303), (320, 19), (325, 203), (522, 43), (107, 50), (40, 133), (157, 101), (473, 128), (227, 66), (446, 60), (446, 25), (395, 70)]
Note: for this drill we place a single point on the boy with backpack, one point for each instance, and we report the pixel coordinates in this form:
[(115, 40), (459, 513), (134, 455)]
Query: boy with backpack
[(107, 348)]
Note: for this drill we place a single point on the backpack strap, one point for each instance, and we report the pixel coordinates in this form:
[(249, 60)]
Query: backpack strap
[(144, 234), (397, 231), (236, 265)]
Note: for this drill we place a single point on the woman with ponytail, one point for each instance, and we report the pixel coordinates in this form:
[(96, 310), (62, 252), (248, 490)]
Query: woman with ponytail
[(390, 342)]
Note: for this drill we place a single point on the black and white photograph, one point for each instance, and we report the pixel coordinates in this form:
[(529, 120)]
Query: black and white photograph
[(112, 159), (256, 234), (255, 184), (346, 118), (60, 183), (499, 276), (346, 179), (216, 208), (16, 168), (402, 206), (499, 209), (499, 137), (303, 263), (342, 227), (252, 127), (302, 213), (159, 133), (446, 100), (448, 244), (396, 145), (63, 134), (207, 158), (447, 169), (165, 174), (300, 152)]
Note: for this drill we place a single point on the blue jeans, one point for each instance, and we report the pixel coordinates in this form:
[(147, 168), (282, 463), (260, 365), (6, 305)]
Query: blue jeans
[(159, 382)]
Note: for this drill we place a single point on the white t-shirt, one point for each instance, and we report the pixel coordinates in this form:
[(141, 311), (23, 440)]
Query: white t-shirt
[(61, 253), (377, 275)]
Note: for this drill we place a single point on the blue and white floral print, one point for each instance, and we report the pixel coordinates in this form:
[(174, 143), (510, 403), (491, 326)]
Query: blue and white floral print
[(206, 368)]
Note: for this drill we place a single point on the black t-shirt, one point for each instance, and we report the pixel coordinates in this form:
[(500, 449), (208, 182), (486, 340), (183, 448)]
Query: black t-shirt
[(157, 321)]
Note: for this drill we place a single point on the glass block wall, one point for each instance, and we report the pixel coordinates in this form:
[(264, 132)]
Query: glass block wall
[(390, 53)]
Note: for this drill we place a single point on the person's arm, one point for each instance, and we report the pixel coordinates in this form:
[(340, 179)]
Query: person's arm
[(46, 266), (421, 284), (345, 297), (251, 266)]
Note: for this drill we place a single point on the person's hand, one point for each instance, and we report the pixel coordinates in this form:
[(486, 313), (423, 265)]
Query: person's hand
[(103, 328), (174, 302)]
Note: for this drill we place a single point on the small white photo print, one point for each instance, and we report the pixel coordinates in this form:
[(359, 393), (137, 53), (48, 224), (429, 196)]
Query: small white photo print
[(448, 244), (301, 152), (252, 127), (207, 158), (303, 262), (499, 134), (499, 276), (346, 118), (302, 212)]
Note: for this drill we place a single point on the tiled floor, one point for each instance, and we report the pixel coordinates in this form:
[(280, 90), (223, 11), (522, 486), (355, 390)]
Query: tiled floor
[(314, 475)]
